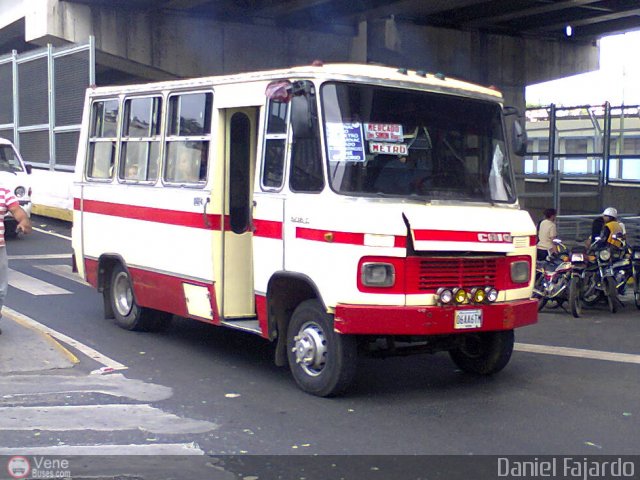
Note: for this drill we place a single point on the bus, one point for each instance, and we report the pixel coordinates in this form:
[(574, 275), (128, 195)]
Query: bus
[(337, 210)]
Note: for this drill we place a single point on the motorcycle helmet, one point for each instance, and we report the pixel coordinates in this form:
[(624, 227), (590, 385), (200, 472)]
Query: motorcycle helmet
[(610, 212)]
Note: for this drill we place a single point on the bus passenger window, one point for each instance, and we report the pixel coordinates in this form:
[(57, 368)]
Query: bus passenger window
[(102, 139), (140, 139), (188, 137)]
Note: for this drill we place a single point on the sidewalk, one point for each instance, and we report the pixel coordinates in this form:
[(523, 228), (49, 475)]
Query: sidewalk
[(24, 349)]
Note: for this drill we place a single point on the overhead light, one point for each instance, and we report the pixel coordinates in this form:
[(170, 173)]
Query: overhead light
[(568, 30)]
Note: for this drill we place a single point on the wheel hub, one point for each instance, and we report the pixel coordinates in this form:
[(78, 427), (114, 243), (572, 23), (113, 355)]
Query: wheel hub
[(122, 294), (310, 349)]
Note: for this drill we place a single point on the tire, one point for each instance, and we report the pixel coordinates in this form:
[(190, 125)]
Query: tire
[(612, 294), (484, 353), (538, 292), (322, 362), (575, 302), (127, 313), (542, 301)]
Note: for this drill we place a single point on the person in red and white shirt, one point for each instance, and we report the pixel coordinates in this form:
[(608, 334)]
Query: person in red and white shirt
[(8, 202)]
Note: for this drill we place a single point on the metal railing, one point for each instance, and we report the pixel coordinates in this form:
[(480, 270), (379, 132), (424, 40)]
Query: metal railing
[(575, 229)]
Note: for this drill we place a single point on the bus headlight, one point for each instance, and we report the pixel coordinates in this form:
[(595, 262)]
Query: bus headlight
[(520, 272), (20, 192), (377, 274)]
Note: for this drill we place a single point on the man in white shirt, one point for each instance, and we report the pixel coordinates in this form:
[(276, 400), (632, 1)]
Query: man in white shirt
[(546, 234)]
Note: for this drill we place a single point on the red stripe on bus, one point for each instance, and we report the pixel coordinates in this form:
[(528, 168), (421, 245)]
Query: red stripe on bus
[(329, 236), (454, 236), (267, 229), (149, 214)]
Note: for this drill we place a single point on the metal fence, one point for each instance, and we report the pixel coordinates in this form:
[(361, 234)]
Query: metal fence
[(575, 229), (41, 101)]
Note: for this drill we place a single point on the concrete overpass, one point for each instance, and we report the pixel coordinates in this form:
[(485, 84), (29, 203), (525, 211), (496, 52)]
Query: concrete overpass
[(505, 43)]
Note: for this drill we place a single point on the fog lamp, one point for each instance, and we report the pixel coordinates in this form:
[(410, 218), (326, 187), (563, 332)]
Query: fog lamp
[(460, 295), (491, 294), (478, 295), (445, 295)]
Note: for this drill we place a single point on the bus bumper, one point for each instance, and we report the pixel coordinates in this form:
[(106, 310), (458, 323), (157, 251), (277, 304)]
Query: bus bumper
[(432, 320)]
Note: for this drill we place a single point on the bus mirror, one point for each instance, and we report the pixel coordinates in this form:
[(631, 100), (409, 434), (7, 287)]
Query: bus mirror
[(519, 138)]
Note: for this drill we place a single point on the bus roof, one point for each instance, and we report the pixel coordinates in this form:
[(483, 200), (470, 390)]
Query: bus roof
[(354, 72)]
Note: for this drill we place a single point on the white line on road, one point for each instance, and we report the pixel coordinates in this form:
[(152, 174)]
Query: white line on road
[(63, 271), (33, 285), (68, 450), (103, 418), (81, 347), (578, 353), (40, 257), (51, 233)]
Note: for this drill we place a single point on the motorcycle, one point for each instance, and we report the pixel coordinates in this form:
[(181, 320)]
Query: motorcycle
[(578, 267), (635, 271), (552, 277), (598, 279)]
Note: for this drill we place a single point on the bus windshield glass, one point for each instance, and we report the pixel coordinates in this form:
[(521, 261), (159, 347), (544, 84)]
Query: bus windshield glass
[(405, 143)]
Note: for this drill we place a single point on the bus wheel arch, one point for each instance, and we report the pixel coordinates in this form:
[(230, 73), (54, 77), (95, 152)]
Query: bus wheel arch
[(284, 293), (322, 361), (116, 284)]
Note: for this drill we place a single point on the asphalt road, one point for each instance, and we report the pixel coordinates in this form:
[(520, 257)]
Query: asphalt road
[(224, 386)]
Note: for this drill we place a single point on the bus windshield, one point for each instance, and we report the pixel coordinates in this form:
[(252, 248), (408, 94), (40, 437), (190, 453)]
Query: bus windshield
[(384, 141)]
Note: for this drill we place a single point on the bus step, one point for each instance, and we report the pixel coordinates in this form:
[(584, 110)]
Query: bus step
[(251, 325)]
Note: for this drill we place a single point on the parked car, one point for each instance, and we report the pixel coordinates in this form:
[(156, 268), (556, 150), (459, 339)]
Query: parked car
[(14, 175)]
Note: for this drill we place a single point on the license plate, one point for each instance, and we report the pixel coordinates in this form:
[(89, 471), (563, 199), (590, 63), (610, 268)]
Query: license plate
[(468, 319)]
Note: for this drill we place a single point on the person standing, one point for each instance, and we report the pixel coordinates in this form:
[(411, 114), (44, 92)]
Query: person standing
[(546, 234), (8, 202)]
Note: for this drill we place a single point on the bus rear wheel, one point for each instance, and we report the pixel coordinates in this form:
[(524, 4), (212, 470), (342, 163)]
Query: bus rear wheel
[(322, 362), (127, 313), (484, 353)]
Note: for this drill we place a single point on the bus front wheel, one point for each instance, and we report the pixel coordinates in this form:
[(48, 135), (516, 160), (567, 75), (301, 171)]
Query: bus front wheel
[(322, 361), (127, 313)]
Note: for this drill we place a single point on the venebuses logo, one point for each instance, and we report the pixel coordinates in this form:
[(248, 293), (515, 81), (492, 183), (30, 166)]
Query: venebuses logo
[(18, 467)]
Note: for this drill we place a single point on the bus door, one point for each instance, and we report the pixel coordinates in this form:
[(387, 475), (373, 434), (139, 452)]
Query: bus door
[(240, 153)]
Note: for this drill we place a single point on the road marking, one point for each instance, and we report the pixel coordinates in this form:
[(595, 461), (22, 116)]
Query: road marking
[(36, 388), (33, 285), (81, 347), (51, 233), (578, 353), (68, 450), (63, 271), (40, 257), (102, 418)]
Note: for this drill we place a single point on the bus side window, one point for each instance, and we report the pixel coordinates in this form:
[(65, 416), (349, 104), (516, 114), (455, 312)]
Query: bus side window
[(188, 137), (140, 154), (102, 139), (274, 145)]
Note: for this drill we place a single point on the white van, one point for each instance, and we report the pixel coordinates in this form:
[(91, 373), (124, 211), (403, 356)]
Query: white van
[(14, 175)]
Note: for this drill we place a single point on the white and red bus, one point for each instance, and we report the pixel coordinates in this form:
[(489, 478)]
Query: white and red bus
[(336, 210)]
